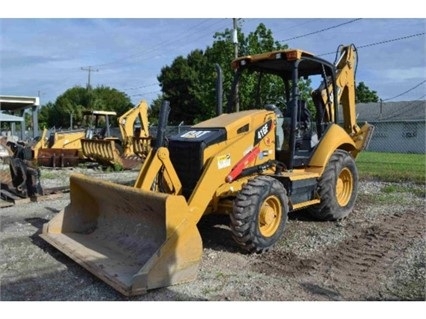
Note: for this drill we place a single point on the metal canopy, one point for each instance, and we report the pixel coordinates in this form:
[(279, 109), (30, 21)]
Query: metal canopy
[(16, 105)]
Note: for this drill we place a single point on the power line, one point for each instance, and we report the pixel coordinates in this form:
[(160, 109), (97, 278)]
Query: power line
[(380, 42), (319, 31), (297, 25), (403, 109), (397, 39), (146, 93), (192, 30), (414, 87), (359, 47), (141, 87)]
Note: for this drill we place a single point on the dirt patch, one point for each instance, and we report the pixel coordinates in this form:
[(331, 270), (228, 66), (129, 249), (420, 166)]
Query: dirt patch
[(377, 253)]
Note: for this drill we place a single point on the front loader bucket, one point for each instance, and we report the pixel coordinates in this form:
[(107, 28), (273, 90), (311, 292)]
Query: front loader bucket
[(102, 151), (131, 239), (105, 152)]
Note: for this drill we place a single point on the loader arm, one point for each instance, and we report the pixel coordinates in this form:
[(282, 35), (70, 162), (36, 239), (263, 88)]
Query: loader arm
[(158, 162)]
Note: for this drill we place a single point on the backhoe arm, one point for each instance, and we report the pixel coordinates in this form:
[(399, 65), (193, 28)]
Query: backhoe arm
[(345, 86), (127, 120), (346, 61), (345, 82)]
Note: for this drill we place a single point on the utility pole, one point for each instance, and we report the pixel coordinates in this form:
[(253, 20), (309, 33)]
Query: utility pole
[(89, 70), (235, 37), (235, 42)]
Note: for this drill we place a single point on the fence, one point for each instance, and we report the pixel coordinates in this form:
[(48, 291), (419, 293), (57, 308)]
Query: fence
[(388, 136), (398, 137)]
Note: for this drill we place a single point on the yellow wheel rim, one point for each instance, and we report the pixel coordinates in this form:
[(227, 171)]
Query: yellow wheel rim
[(270, 216), (344, 187)]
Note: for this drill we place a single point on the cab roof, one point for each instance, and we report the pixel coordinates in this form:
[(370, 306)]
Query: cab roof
[(90, 112), (282, 62)]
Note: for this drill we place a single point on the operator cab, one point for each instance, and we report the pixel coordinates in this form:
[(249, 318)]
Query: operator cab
[(284, 76), (98, 123)]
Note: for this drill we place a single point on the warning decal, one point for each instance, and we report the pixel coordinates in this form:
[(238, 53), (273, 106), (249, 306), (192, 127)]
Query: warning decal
[(224, 161)]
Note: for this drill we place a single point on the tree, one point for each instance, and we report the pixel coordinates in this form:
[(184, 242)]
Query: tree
[(43, 116), (261, 40), (68, 105), (364, 95), (189, 83), (110, 99), (71, 104), (186, 84), (154, 110)]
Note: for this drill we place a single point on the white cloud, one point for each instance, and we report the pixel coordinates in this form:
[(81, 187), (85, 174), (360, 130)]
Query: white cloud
[(404, 74)]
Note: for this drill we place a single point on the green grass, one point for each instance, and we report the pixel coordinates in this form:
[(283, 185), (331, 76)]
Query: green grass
[(392, 167)]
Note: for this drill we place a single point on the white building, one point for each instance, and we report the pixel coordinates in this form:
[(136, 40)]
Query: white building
[(399, 126)]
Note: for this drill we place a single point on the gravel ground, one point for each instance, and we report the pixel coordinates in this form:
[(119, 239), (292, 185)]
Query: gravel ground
[(376, 254)]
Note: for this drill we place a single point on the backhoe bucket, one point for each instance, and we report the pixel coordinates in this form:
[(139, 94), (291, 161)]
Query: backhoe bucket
[(131, 239)]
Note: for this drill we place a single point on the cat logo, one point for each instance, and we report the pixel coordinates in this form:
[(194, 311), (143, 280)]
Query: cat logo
[(194, 134)]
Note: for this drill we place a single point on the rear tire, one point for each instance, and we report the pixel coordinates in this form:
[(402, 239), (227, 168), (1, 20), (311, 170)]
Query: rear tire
[(259, 214), (337, 188)]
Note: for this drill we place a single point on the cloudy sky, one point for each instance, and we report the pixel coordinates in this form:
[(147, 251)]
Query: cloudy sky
[(47, 53)]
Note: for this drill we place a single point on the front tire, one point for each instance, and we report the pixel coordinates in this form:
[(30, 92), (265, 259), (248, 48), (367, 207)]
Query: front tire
[(337, 188), (259, 214)]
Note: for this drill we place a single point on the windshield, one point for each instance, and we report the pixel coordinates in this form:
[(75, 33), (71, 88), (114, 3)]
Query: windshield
[(254, 89)]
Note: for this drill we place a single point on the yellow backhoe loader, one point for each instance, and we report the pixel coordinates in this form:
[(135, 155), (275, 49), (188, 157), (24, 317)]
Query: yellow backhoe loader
[(63, 148), (126, 151), (256, 165)]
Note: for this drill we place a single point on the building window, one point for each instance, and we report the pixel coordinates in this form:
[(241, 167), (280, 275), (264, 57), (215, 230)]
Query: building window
[(380, 131), (409, 130)]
